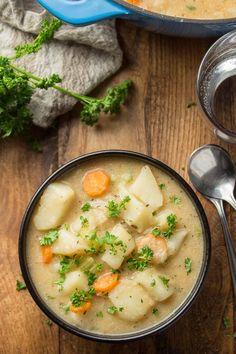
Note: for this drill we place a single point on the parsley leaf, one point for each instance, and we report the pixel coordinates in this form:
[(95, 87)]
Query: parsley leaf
[(155, 311), (99, 314), (171, 222), (188, 265), (112, 310), (99, 267), (66, 263), (164, 280), (50, 237), (141, 259), (20, 285), (153, 283), (48, 28), (79, 298), (115, 209), (84, 221), (175, 199), (226, 322), (91, 277), (86, 207), (162, 186), (49, 322)]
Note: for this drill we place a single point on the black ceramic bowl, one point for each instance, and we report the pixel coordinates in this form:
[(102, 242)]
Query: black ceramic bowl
[(76, 163)]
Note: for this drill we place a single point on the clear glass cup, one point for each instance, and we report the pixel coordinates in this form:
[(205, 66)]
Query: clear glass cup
[(218, 65)]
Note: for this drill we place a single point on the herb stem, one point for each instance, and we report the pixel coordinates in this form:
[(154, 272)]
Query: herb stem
[(85, 99)]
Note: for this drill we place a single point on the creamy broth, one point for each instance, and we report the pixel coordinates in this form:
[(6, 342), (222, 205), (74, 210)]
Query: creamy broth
[(194, 9), (97, 319)]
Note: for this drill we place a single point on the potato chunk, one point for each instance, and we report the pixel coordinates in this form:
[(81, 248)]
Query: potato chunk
[(95, 218), (53, 206), (135, 212), (75, 280), (175, 241), (152, 283), (134, 300), (146, 189), (69, 244), (115, 259), (161, 219)]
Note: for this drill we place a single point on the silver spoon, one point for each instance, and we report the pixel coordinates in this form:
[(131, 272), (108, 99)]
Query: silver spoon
[(212, 172)]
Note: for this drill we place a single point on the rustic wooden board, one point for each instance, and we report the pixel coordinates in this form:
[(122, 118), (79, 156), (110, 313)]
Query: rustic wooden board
[(155, 121)]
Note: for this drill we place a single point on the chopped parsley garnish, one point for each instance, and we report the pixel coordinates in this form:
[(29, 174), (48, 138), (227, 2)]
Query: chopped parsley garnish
[(153, 283), (188, 265), (115, 209), (191, 8), (234, 334), (141, 259), (162, 186), (226, 322), (66, 227), (20, 285), (66, 263), (50, 237), (65, 307), (49, 297), (91, 277), (171, 222), (113, 242), (99, 267), (175, 199), (79, 298), (49, 322), (155, 311), (84, 221), (113, 309), (99, 314), (86, 207), (164, 280)]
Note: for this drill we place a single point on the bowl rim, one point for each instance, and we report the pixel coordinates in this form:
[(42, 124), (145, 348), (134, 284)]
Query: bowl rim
[(174, 18), (69, 166)]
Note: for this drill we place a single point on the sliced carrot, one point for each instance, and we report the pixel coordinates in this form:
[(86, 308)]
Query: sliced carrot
[(47, 254), (106, 282), (81, 309), (96, 182), (134, 2)]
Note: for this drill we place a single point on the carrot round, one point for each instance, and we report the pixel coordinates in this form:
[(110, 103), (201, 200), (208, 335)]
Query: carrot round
[(81, 309), (47, 254), (106, 282), (96, 182)]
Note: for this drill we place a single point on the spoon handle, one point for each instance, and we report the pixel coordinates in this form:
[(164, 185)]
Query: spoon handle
[(228, 241), (231, 200)]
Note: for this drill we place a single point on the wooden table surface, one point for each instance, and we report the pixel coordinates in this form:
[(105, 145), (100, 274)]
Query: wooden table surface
[(156, 122)]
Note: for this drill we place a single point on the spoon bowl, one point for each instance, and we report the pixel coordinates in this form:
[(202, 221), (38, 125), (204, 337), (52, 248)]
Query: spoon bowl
[(213, 173)]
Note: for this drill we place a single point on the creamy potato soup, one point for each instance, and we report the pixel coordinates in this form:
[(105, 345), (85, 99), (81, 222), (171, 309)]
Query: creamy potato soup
[(195, 9), (115, 246)]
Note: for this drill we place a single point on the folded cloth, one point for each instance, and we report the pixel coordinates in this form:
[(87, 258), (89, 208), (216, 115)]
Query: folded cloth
[(82, 56)]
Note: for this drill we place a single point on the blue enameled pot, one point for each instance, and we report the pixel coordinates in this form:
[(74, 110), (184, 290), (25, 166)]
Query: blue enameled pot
[(84, 12)]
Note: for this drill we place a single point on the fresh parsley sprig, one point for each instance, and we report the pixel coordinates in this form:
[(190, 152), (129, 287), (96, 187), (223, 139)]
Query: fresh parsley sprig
[(18, 85), (115, 209), (50, 237), (171, 222), (48, 28), (141, 259)]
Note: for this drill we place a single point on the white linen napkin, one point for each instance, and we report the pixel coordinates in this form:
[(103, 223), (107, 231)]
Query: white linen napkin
[(82, 56)]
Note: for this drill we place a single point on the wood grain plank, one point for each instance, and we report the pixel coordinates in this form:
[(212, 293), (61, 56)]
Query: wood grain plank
[(156, 121), (23, 328)]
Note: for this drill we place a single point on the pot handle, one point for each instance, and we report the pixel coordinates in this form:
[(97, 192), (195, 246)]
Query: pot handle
[(83, 12)]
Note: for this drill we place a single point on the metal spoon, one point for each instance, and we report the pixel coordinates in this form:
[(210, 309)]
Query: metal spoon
[(212, 172)]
